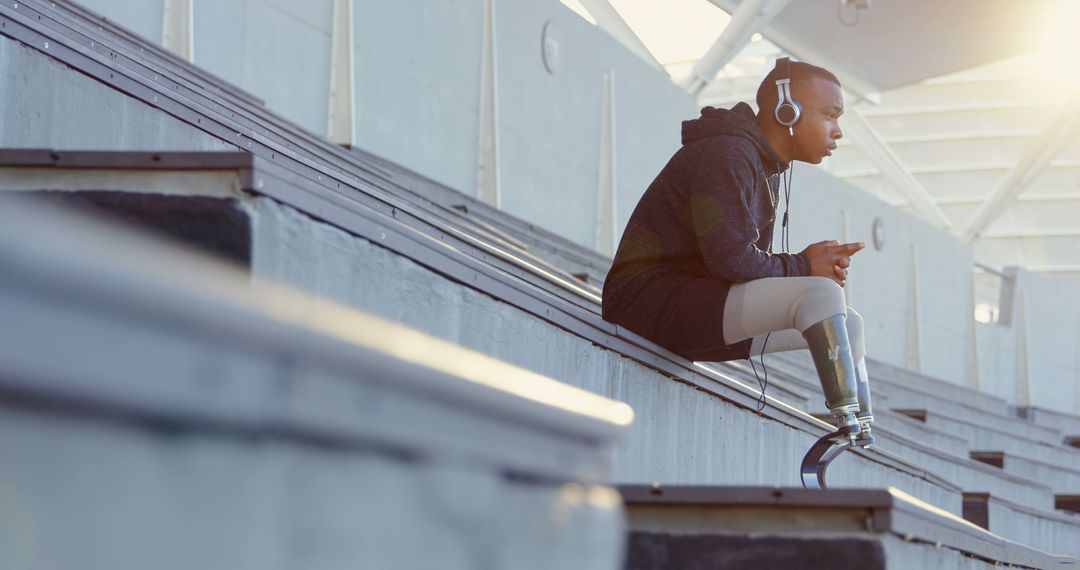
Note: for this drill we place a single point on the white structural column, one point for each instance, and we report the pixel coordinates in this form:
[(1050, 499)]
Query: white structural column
[(341, 117), (869, 142), (487, 164), (748, 17), (1023, 380), (606, 237), (914, 361), (973, 343), (1058, 133), (1076, 365), (177, 31), (611, 22), (852, 82)]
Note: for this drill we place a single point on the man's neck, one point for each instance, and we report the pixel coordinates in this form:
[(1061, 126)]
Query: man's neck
[(779, 137)]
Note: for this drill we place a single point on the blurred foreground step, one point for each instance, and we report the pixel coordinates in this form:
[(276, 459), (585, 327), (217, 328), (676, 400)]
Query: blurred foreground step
[(692, 527), (161, 410)]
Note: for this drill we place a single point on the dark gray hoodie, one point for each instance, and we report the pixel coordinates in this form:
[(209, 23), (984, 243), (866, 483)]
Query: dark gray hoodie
[(704, 223)]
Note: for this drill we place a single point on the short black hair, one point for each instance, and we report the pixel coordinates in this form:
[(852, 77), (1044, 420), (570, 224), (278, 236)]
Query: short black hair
[(800, 72)]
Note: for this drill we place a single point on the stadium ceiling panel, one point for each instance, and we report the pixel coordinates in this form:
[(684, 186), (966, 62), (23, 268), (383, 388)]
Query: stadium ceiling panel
[(893, 43)]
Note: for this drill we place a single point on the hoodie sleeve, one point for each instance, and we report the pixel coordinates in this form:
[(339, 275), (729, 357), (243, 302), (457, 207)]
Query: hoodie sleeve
[(721, 198)]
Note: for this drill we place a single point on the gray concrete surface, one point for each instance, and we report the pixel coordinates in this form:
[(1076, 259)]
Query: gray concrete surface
[(681, 434), (160, 411), (45, 104), (1064, 480), (984, 437), (1068, 424), (1055, 531), (915, 292)]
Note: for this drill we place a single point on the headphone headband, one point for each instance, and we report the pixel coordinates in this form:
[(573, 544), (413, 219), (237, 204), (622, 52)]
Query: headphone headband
[(787, 110)]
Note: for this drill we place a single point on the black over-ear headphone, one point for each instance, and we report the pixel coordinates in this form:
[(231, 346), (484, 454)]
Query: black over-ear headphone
[(787, 110)]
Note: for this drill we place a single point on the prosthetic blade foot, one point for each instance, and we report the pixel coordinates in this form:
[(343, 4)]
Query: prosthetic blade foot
[(822, 453)]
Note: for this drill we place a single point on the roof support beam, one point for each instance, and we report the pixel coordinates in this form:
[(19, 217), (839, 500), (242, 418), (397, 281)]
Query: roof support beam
[(1058, 133), (869, 142), (611, 22), (852, 82), (746, 18)]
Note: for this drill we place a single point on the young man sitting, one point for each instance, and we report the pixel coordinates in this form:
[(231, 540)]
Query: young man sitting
[(695, 271)]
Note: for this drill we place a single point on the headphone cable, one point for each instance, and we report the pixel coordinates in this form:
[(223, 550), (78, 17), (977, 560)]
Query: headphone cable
[(785, 244)]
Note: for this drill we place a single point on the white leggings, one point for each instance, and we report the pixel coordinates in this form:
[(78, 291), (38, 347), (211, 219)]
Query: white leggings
[(783, 307)]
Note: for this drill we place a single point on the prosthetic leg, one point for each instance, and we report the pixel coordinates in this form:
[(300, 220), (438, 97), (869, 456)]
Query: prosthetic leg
[(847, 395)]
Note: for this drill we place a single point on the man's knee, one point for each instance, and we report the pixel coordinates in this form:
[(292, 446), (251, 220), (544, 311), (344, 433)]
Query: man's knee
[(822, 298)]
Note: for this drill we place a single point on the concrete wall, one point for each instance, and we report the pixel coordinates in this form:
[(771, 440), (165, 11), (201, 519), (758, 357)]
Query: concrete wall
[(1030, 357), (44, 104), (417, 73)]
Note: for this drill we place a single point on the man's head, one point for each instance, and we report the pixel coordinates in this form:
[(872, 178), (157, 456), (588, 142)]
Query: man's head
[(818, 93)]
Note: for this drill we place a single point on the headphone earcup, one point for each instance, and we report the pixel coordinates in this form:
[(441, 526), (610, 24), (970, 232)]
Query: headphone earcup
[(788, 113)]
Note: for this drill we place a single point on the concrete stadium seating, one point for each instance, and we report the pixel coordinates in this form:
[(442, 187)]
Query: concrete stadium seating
[(161, 411), (349, 227)]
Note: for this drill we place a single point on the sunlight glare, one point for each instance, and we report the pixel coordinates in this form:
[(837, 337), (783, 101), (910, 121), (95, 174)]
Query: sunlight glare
[(1060, 45)]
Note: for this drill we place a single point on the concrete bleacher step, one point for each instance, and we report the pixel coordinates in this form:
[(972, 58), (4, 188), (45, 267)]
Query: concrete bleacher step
[(493, 304), (884, 373), (915, 430), (1063, 480), (793, 393), (789, 378), (1068, 424), (901, 398), (158, 410), (382, 251), (984, 436), (584, 263), (1069, 503), (266, 223), (940, 451), (1051, 530), (154, 75), (968, 473), (940, 388), (756, 527), (900, 395)]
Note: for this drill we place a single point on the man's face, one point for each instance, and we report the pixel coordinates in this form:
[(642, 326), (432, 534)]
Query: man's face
[(818, 128)]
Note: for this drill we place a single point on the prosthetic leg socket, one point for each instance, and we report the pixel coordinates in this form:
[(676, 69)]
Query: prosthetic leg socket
[(831, 351)]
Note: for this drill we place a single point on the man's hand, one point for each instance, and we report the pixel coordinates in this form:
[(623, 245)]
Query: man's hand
[(831, 259)]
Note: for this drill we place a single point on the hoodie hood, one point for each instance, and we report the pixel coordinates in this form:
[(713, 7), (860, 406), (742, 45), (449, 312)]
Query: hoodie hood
[(739, 121)]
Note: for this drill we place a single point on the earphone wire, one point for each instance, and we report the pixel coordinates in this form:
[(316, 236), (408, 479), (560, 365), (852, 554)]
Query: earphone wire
[(785, 244)]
